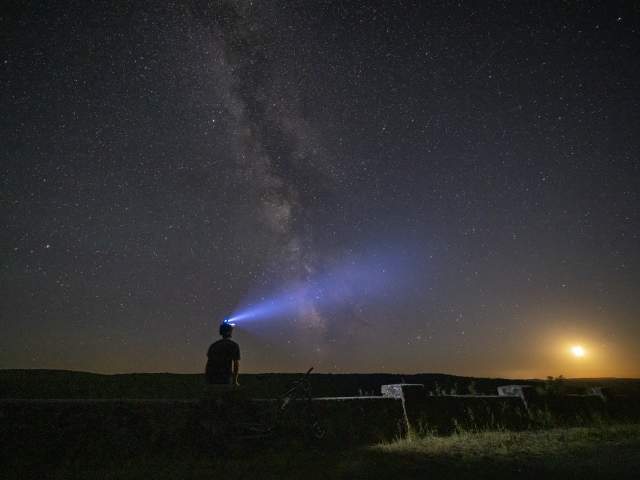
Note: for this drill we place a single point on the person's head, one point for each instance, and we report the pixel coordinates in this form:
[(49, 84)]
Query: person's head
[(226, 329)]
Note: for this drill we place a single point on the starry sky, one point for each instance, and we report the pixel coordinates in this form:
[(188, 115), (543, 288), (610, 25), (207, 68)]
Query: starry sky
[(165, 163)]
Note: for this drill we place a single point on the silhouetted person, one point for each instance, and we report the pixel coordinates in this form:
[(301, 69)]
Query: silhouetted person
[(223, 362)]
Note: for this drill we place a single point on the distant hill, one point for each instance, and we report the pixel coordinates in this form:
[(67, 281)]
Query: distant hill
[(72, 384)]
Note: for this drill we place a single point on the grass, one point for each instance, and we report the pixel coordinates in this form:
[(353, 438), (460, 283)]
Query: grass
[(604, 451)]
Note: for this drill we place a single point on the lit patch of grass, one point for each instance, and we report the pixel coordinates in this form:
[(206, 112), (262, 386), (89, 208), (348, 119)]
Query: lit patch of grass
[(605, 451), (507, 442)]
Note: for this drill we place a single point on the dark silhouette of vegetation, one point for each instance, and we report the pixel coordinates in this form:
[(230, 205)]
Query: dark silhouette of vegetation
[(555, 385)]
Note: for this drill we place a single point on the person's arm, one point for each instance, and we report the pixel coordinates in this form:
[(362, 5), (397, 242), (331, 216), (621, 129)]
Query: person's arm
[(236, 369)]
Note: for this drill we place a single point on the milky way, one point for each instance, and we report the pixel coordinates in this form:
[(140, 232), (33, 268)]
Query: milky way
[(164, 166)]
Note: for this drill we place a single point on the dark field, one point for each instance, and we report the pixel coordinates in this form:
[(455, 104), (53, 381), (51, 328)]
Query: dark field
[(603, 449), (68, 384), (603, 452)]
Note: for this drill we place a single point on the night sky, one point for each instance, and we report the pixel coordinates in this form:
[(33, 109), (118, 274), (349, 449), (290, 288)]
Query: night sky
[(165, 164)]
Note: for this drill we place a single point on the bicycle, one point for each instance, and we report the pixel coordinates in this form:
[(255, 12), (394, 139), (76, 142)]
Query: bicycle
[(231, 419)]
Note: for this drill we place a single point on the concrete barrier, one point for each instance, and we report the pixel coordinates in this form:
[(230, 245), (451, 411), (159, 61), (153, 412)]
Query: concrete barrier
[(515, 407), (446, 413), (143, 425), (56, 427), (582, 409), (349, 420)]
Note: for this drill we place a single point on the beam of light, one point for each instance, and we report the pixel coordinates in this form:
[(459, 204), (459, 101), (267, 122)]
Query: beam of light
[(369, 279)]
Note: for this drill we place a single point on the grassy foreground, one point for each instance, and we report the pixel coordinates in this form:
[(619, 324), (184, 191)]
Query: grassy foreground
[(611, 451), (606, 452)]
